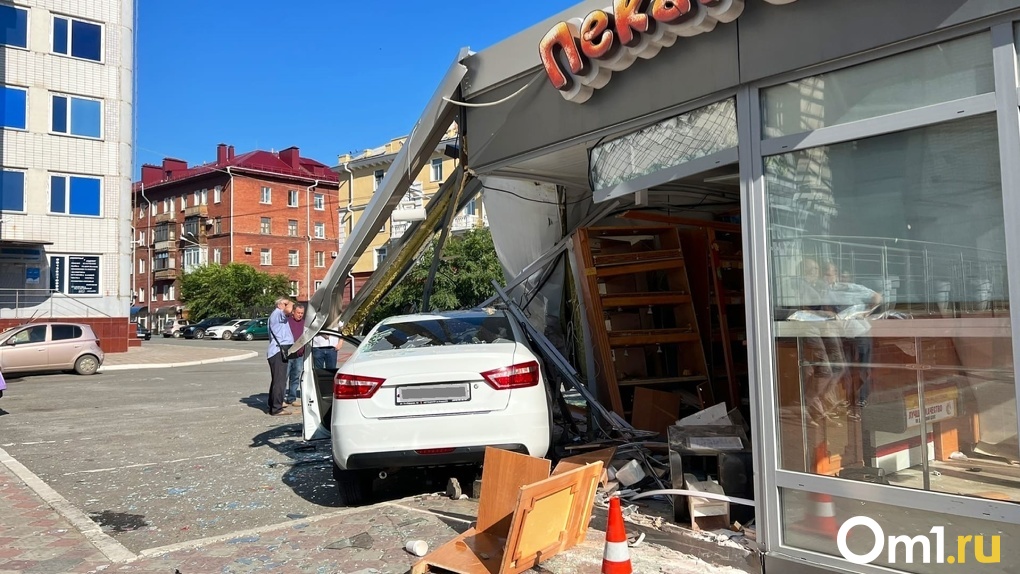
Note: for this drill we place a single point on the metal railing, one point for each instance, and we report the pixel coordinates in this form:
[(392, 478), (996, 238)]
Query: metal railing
[(43, 303)]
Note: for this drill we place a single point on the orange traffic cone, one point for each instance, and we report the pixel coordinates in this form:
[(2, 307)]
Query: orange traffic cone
[(616, 558), (820, 514)]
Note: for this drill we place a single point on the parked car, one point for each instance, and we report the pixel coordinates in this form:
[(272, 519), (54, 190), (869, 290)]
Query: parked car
[(226, 331), (143, 332), (435, 390), (173, 328), (197, 330), (50, 346), (255, 329)]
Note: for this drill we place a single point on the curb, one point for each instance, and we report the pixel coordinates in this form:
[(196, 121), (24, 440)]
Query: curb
[(241, 357)]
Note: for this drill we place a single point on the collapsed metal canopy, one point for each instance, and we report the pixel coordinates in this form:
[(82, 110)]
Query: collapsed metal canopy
[(324, 309)]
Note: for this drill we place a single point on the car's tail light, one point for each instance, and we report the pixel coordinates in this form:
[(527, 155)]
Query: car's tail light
[(348, 386), (513, 377)]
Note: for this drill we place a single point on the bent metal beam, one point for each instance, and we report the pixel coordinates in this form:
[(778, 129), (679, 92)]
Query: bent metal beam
[(611, 39)]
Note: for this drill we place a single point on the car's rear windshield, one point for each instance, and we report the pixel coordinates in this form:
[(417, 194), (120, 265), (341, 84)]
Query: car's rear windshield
[(440, 332)]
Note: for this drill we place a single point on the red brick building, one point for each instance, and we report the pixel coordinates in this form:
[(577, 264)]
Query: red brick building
[(277, 212)]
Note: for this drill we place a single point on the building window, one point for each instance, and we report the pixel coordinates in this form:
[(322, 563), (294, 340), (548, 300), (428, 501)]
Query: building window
[(168, 204), (75, 195), (380, 255), (171, 296), (293, 288), (13, 26), (191, 227), (203, 197), (12, 115), (320, 230), (141, 295), (217, 194), (292, 198), (436, 170), (320, 258), (292, 258), (192, 259), (292, 227), (12, 190), (377, 178), (217, 256), (267, 195), (469, 209), (217, 226), (318, 285), (266, 257), (184, 202), (152, 208), (266, 226), (320, 202), (141, 266), (77, 116), (77, 38)]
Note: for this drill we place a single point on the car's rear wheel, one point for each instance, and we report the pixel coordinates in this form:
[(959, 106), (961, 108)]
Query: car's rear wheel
[(227, 335), (200, 334), (86, 365), (353, 486), (177, 334), (249, 337)]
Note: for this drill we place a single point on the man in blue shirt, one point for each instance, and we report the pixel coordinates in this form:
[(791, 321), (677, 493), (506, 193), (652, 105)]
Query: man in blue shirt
[(296, 365), (279, 334)]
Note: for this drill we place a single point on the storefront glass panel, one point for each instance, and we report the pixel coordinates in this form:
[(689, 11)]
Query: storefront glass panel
[(813, 522), (940, 73), (890, 299)]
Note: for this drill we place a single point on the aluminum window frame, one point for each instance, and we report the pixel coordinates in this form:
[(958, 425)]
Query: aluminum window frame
[(24, 190), (769, 478), (69, 115), (68, 178), (70, 37), (28, 26), (24, 111)]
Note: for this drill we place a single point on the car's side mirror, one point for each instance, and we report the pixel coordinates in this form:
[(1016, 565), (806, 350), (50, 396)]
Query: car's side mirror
[(10, 342)]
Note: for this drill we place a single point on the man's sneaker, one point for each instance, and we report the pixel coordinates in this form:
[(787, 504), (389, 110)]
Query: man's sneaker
[(294, 403)]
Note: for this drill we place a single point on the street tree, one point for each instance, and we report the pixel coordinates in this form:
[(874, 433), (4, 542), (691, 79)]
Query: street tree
[(230, 290), (467, 267)]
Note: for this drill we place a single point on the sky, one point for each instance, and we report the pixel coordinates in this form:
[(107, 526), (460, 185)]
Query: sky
[(328, 76)]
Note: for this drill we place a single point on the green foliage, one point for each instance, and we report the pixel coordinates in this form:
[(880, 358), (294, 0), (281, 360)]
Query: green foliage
[(230, 290), (464, 279)]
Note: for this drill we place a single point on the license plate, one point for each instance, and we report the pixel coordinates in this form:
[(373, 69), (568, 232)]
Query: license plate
[(428, 394)]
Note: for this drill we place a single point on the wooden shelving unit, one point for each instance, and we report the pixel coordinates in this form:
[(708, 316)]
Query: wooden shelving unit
[(639, 304)]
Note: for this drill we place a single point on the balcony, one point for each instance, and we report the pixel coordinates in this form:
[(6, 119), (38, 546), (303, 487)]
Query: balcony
[(464, 222), (165, 274), (196, 211), (165, 217), (165, 244)]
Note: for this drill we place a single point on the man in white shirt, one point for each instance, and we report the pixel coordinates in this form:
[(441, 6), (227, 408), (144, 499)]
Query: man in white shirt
[(324, 350)]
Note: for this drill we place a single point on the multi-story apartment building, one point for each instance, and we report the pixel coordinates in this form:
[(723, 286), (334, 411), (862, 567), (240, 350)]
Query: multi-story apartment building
[(365, 171), (278, 212), (66, 144)]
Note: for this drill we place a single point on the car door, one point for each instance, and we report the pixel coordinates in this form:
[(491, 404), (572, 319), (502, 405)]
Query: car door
[(318, 384), (65, 345), (25, 350)]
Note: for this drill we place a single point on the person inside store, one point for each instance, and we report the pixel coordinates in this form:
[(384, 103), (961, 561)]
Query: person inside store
[(821, 347)]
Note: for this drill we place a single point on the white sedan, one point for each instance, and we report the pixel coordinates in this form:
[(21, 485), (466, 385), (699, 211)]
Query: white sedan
[(226, 331), (435, 389)]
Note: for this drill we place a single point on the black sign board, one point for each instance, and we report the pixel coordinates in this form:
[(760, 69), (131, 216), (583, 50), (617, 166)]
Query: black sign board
[(83, 274)]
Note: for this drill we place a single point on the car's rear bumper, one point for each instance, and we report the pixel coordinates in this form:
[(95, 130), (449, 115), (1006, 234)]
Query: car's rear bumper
[(406, 458), (385, 443)]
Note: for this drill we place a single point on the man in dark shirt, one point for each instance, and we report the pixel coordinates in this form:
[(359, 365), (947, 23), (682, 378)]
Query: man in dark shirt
[(296, 365)]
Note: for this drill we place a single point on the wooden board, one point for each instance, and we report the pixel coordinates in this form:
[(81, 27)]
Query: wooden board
[(655, 410), (463, 555), (552, 516), (605, 456), (503, 475)]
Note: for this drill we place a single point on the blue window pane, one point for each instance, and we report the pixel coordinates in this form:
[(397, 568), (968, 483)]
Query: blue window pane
[(12, 114), (84, 196), (12, 191), (60, 114), (13, 26), (86, 40), (85, 117), (58, 194), (60, 35)]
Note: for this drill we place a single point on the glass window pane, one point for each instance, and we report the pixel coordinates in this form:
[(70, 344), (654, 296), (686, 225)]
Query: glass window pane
[(86, 40), (12, 114), (812, 521), (60, 35), (669, 143), (86, 117), (891, 299), (59, 114), (13, 26), (58, 194), (84, 196), (12, 191), (939, 73)]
